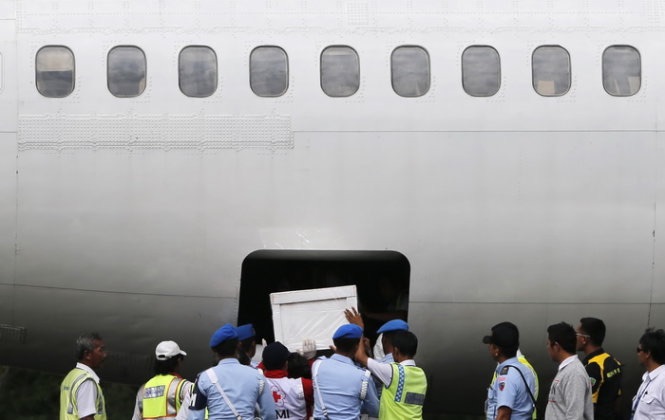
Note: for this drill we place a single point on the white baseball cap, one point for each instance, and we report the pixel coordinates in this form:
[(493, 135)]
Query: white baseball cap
[(167, 349)]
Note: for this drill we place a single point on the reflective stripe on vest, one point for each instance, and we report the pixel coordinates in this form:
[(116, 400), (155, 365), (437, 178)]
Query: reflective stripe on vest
[(68, 390), (161, 397), (405, 396), (600, 361)]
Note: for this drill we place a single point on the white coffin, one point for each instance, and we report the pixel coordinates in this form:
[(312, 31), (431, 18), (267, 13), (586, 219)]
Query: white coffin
[(312, 314)]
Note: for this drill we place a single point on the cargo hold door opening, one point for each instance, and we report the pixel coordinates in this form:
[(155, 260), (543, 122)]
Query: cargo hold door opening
[(381, 279)]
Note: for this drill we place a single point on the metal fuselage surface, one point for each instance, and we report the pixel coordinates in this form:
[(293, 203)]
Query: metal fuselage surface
[(132, 216)]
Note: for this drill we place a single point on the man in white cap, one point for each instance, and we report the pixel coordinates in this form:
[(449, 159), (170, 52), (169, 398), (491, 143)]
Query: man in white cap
[(165, 395)]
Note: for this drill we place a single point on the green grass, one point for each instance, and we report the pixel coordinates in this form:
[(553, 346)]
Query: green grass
[(32, 395)]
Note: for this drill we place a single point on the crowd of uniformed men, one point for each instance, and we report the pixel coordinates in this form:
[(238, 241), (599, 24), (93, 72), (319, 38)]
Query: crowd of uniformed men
[(350, 382)]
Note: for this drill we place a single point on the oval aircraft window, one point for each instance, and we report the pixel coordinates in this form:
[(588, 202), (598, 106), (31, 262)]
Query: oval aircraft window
[(54, 71), (340, 71), (126, 71), (410, 71), (197, 71), (550, 65), (268, 71), (481, 71), (622, 70)]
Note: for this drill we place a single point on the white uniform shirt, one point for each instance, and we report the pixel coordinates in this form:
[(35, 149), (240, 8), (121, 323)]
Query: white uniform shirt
[(86, 395), (649, 402), (289, 397)]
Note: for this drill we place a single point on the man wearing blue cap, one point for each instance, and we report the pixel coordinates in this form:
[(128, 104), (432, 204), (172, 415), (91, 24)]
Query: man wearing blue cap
[(230, 390), (342, 390), (404, 383)]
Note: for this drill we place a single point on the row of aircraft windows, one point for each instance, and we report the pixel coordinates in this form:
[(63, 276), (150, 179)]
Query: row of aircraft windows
[(339, 71)]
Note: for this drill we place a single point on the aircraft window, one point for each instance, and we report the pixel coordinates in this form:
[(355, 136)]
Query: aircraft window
[(481, 71), (197, 71), (551, 70), (410, 70), (54, 71), (622, 70), (340, 71), (126, 71), (268, 71)]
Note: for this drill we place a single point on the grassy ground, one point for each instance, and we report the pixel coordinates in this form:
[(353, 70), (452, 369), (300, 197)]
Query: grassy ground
[(31, 395)]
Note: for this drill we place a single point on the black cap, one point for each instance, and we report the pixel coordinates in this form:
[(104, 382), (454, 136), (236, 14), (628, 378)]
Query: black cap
[(275, 355), (504, 335)]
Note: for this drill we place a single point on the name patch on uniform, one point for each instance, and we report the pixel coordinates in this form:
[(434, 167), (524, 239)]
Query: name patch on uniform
[(154, 391), (414, 398)]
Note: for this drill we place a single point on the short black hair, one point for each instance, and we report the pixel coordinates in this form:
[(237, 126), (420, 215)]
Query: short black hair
[(346, 345), (228, 348), (653, 342), (298, 366), (85, 343), (163, 367), (406, 342), (595, 329), (564, 334)]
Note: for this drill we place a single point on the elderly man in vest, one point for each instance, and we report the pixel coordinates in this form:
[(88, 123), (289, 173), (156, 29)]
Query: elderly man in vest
[(81, 397), (165, 395), (405, 384)]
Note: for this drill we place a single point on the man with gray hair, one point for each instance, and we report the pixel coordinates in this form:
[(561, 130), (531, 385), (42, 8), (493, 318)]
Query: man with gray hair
[(81, 397)]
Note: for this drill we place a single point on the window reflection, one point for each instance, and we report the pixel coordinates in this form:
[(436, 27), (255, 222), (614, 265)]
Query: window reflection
[(54, 71), (410, 71), (551, 70), (481, 71), (622, 70), (126, 71), (340, 71), (197, 71), (268, 71)]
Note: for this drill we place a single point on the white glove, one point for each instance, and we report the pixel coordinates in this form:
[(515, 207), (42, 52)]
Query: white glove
[(378, 348), (308, 350), (259, 351)]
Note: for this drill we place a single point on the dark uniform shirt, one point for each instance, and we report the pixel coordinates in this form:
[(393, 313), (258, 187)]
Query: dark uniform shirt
[(605, 373)]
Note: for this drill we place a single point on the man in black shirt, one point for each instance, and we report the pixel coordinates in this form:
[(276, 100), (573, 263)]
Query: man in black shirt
[(603, 369)]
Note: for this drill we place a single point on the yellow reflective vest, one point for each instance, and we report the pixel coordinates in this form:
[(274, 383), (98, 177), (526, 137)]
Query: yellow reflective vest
[(405, 396), (162, 397), (68, 390)]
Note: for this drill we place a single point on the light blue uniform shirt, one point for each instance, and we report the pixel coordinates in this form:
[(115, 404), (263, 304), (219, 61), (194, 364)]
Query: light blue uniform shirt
[(241, 385), (340, 382), (509, 390), (388, 358)]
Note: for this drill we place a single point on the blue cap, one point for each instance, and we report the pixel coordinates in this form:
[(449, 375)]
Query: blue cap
[(393, 325), (348, 331), (245, 331), (226, 332)]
